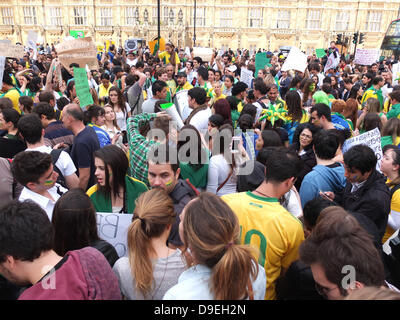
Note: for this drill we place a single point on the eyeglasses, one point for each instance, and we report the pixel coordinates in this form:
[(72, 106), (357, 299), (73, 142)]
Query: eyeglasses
[(323, 291)]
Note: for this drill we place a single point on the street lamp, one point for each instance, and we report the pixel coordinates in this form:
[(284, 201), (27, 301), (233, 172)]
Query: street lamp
[(158, 19), (194, 25)]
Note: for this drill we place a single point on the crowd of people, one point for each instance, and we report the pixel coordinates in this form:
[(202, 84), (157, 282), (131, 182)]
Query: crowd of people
[(246, 194)]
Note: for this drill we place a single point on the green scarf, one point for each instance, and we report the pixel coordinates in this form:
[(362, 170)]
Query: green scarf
[(378, 94)]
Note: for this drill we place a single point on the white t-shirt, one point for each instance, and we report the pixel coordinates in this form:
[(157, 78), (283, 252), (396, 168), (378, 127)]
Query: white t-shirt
[(64, 162), (218, 171), (200, 119), (121, 118)]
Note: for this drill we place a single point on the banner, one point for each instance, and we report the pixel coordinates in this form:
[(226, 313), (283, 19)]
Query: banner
[(82, 87), (332, 62), (113, 228), (11, 51), (296, 60), (366, 57), (246, 76), (370, 138), (77, 34), (204, 53), (81, 51)]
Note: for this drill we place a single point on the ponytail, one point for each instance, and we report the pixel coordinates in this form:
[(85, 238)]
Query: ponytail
[(233, 273)]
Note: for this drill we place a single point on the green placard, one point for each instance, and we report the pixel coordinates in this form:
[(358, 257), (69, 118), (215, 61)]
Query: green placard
[(261, 61), (76, 34), (82, 87), (320, 53)]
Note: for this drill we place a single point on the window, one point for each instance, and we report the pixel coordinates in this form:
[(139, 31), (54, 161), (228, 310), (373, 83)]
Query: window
[(313, 19), (255, 17), (373, 22), (200, 17), (132, 15), (165, 13), (55, 16), (283, 19), (154, 16), (7, 14), (80, 16), (342, 21), (106, 17), (225, 18), (30, 15)]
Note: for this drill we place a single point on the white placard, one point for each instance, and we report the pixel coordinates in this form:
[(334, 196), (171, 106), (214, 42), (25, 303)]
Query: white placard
[(204, 53), (246, 76), (366, 57), (113, 228), (181, 101), (31, 40), (296, 60), (332, 62), (187, 51), (2, 64), (396, 74), (370, 138)]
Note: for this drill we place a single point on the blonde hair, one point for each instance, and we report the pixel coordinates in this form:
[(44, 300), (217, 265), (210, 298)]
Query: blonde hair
[(211, 230), (153, 213)]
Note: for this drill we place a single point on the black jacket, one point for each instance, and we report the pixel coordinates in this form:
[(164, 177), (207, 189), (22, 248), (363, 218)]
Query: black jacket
[(371, 200), (310, 162), (181, 195)]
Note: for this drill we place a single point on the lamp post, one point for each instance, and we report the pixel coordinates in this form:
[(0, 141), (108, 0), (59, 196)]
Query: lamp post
[(194, 25), (158, 19)]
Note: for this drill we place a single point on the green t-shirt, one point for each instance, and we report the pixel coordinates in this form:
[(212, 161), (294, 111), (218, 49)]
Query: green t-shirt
[(198, 178)]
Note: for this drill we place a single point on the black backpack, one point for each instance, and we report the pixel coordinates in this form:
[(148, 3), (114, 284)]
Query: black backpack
[(55, 154)]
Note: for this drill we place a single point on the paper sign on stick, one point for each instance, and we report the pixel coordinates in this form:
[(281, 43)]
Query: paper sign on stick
[(366, 57), (11, 51), (246, 76), (82, 87)]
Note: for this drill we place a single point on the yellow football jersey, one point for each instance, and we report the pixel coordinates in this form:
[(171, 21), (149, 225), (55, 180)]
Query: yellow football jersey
[(271, 230), (394, 206)]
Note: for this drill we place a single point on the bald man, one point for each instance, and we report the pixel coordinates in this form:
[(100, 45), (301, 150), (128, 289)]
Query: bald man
[(84, 146)]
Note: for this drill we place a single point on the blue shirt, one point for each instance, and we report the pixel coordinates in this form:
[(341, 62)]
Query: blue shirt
[(194, 284)]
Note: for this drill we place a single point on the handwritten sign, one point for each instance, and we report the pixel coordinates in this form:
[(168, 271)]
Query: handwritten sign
[(82, 87), (296, 60), (11, 51), (246, 76), (396, 74), (370, 138), (81, 51), (366, 57), (113, 228), (2, 64)]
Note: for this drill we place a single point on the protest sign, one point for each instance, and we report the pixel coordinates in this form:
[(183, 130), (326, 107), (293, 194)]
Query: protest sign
[(2, 64), (170, 108), (11, 51), (31, 42), (366, 57), (396, 74), (320, 53), (261, 61), (113, 228), (82, 87), (77, 34), (204, 53), (332, 62), (131, 45), (370, 138), (246, 76), (182, 104), (296, 60), (81, 51)]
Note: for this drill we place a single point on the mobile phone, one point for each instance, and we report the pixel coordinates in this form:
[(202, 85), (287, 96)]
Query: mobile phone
[(235, 144)]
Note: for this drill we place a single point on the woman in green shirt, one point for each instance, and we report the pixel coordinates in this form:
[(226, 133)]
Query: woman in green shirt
[(193, 157), (115, 191)]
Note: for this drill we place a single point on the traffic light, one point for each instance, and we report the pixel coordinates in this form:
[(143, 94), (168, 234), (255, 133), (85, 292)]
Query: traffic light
[(362, 35), (355, 37), (339, 38)]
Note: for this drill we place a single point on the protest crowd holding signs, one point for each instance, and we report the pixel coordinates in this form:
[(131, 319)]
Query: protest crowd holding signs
[(159, 169)]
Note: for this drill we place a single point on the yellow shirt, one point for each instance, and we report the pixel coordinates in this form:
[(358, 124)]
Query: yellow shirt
[(103, 92), (13, 95), (394, 206), (222, 96), (269, 228), (165, 57)]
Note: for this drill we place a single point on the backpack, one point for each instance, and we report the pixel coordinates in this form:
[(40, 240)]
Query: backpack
[(55, 154)]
